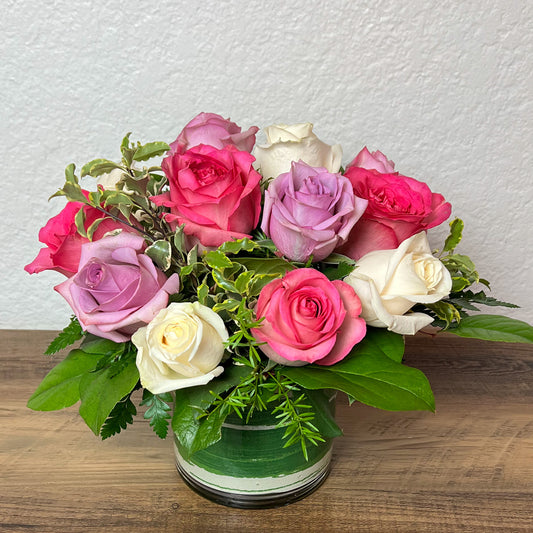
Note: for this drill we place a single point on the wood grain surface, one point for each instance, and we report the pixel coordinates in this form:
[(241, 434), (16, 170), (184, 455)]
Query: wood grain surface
[(469, 467)]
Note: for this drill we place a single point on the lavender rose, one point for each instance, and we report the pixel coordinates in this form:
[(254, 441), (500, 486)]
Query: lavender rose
[(310, 211), (117, 288)]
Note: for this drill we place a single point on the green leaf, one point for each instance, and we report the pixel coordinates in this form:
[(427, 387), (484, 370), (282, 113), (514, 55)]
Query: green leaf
[(119, 418), (116, 198), (382, 340), (60, 387), (455, 236), (79, 220), (158, 411), (98, 345), (149, 150), (218, 260), (74, 194), (227, 305), (68, 336), (373, 379), (239, 245), (70, 176), (243, 281), (494, 328), (222, 282), (445, 311), (191, 402), (93, 227), (480, 298), (273, 265), (96, 167), (340, 271), (161, 253), (202, 292), (100, 391)]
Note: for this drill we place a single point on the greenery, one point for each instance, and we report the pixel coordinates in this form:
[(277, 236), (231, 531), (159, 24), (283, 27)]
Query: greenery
[(102, 375)]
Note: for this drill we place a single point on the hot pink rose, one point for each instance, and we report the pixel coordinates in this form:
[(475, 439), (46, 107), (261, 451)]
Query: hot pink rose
[(212, 129), (308, 319), (215, 193), (117, 288), (64, 242), (398, 208), (373, 161)]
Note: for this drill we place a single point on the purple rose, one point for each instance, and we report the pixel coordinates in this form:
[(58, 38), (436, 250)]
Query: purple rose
[(213, 130), (310, 211), (117, 288)]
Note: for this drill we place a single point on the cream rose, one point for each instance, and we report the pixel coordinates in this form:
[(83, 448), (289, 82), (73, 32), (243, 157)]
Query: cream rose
[(181, 347), (295, 142), (390, 282)]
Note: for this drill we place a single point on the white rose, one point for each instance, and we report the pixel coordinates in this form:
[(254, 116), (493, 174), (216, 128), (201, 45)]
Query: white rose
[(390, 282), (181, 347), (295, 142), (109, 180)]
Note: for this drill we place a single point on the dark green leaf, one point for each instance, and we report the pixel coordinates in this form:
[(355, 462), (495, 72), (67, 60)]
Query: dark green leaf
[(149, 150), (382, 340), (158, 411), (60, 387), (100, 391), (480, 298), (494, 328), (119, 418), (68, 336), (373, 379), (339, 271), (191, 402)]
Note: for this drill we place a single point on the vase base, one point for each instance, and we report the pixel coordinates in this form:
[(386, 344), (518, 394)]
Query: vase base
[(253, 501)]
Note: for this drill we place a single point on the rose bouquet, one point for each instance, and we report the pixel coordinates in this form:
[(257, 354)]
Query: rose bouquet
[(236, 278)]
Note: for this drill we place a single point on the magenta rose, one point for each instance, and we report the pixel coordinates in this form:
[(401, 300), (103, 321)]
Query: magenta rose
[(214, 192), (212, 129), (63, 242), (308, 319), (398, 208), (117, 288), (373, 161), (310, 211)]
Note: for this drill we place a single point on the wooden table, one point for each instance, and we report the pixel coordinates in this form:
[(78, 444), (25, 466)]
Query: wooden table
[(469, 467)]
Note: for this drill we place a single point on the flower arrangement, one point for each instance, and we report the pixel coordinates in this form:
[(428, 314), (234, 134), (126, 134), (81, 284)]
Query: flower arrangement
[(239, 277)]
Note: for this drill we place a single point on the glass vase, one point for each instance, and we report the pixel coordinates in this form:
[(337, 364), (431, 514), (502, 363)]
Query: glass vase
[(250, 469)]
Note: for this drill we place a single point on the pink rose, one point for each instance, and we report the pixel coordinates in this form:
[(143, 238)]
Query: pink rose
[(398, 208), (117, 288), (309, 211), (373, 161), (308, 319), (212, 129), (214, 192), (64, 242)]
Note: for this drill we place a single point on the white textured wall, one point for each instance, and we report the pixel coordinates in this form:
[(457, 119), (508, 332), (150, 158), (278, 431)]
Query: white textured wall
[(444, 88)]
